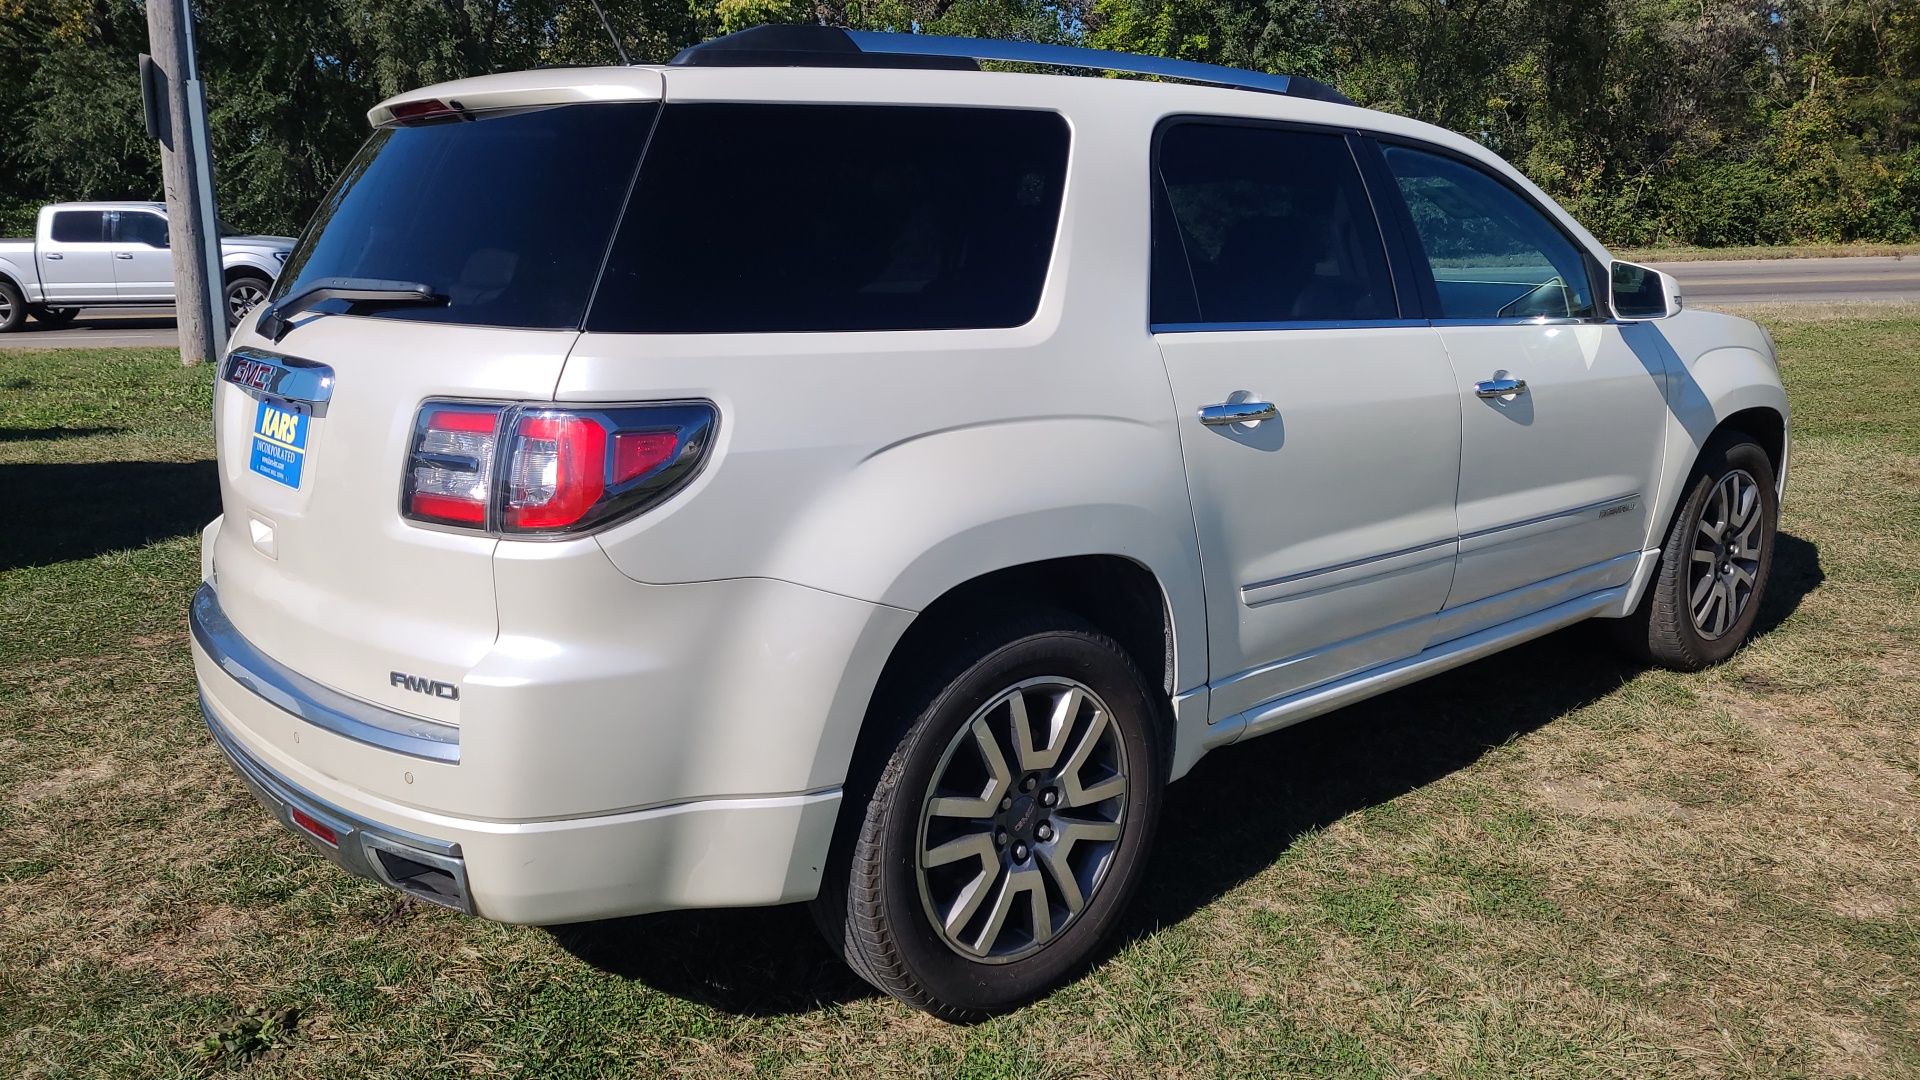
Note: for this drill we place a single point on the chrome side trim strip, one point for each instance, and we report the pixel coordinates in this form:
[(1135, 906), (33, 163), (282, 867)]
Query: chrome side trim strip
[(1520, 530), (318, 705), (359, 840), (1347, 573), (1286, 711)]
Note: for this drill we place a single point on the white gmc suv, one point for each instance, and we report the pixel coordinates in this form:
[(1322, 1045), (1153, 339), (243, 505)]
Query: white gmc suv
[(818, 469)]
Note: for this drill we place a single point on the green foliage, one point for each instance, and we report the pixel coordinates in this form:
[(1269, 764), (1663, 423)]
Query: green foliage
[(1709, 122)]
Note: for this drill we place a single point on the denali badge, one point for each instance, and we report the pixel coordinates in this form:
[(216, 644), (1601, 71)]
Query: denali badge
[(422, 685)]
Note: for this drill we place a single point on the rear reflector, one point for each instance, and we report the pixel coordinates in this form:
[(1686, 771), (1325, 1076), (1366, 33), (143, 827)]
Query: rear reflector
[(319, 832), (541, 469)]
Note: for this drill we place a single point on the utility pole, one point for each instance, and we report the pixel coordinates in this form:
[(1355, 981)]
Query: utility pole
[(176, 107)]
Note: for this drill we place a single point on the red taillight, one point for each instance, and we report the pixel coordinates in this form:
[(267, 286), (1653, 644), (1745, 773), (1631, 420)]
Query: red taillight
[(450, 471), (545, 469), (320, 832), (557, 472), (430, 111)]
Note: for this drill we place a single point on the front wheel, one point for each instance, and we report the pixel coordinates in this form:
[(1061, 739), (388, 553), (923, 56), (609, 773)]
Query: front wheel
[(1706, 592), (13, 307), (244, 293), (1006, 833)]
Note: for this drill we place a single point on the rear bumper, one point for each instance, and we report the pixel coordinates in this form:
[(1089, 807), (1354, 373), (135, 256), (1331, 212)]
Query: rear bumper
[(729, 852)]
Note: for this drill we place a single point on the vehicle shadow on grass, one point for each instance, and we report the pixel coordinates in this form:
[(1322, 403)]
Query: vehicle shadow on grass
[(58, 512), (1230, 818)]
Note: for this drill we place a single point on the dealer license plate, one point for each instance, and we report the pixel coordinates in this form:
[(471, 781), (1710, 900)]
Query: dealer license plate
[(280, 441)]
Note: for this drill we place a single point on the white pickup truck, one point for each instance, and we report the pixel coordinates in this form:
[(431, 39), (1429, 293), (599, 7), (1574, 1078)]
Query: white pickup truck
[(115, 254)]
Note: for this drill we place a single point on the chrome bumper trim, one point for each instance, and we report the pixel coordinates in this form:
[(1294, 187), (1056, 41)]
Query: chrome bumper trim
[(316, 704), (419, 866)]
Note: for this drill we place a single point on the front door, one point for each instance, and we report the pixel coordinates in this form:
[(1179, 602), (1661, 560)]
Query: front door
[(1326, 528), (142, 260), (76, 258), (1563, 424)]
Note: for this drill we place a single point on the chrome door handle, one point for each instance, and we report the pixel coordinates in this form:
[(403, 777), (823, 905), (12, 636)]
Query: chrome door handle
[(55, 256), (1494, 388), (123, 254), (1238, 412)]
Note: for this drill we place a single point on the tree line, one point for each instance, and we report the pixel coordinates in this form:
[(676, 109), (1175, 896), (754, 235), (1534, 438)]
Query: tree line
[(1709, 122)]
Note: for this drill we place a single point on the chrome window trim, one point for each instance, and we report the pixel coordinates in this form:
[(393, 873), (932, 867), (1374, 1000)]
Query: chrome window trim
[(1304, 324), (358, 838), (318, 705)]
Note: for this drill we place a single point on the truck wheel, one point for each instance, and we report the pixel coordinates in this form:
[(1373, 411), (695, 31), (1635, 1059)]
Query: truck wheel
[(13, 307), (1713, 570), (55, 317), (244, 293), (1008, 829)]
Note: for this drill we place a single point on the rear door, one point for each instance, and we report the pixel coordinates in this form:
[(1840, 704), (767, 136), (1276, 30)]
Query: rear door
[(1327, 529), (505, 215), (1564, 425), (142, 259), (76, 257)]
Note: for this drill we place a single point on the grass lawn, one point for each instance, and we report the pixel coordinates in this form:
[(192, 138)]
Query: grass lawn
[(1764, 251), (1551, 863)]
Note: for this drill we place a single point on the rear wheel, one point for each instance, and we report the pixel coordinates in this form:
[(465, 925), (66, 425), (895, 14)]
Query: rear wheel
[(1706, 592), (244, 293), (1006, 832), (13, 307), (55, 316)]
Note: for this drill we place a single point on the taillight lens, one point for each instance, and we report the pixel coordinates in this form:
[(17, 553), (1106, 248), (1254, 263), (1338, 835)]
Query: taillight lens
[(450, 472), (552, 470)]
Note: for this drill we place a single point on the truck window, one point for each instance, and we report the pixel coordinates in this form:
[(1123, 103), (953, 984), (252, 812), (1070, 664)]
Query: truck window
[(80, 226), (506, 215), (766, 218), (1274, 226), (140, 227)]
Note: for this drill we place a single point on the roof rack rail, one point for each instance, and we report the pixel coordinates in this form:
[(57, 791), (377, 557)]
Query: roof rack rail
[(833, 46)]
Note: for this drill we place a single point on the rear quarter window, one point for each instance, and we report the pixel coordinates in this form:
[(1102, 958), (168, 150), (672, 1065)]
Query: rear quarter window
[(508, 216), (765, 218)]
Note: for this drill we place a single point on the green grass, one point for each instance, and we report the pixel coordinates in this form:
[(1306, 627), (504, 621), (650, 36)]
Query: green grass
[(1549, 864)]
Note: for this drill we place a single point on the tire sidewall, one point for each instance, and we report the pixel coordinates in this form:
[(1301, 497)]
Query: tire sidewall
[(970, 986), (17, 315), (1677, 556)]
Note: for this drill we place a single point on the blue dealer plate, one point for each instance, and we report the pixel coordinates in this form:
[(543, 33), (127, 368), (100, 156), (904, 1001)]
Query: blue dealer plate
[(279, 441)]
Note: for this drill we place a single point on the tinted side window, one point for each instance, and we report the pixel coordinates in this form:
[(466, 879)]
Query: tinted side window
[(135, 227), (1494, 255), (763, 218), (508, 215), (80, 226), (1275, 225)]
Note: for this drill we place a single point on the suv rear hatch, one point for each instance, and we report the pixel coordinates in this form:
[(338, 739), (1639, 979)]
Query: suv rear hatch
[(499, 196)]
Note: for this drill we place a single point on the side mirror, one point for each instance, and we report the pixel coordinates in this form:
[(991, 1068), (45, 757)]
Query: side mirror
[(1641, 293)]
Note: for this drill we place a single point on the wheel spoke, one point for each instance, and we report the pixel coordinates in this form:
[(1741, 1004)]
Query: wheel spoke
[(1072, 792), (1702, 555), (1700, 592), (999, 782), (972, 846), (1742, 575), (1040, 758), (1011, 886)]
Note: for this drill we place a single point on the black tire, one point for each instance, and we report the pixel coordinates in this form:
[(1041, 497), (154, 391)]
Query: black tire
[(55, 317), (876, 902), (13, 307), (1666, 629), (243, 293)]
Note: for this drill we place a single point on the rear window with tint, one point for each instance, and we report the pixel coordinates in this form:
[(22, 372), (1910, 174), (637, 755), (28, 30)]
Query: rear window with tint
[(80, 226), (508, 216), (762, 218)]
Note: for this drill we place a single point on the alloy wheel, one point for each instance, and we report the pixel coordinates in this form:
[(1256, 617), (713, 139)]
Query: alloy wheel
[(243, 296), (1726, 554), (1021, 821)]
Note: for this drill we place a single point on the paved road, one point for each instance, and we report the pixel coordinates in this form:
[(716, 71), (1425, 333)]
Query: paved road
[(1770, 281), (1790, 281), (99, 328)]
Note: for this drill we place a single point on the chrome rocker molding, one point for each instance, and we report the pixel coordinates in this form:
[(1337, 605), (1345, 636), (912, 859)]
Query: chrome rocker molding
[(1307, 704), (316, 704), (423, 868)]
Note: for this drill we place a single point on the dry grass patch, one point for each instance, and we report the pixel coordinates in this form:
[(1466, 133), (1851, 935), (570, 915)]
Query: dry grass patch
[(1549, 864)]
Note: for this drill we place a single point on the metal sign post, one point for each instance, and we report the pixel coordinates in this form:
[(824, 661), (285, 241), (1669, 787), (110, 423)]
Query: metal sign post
[(176, 108)]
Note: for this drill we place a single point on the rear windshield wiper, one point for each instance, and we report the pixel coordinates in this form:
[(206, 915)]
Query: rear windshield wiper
[(357, 291)]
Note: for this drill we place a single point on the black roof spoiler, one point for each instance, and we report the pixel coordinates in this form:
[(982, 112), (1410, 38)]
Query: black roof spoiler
[(832, 46)]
